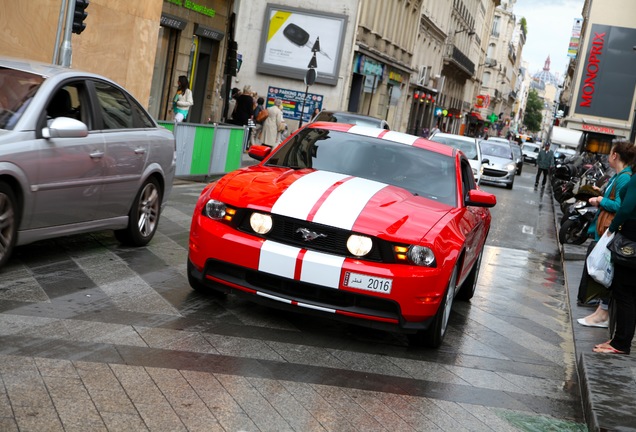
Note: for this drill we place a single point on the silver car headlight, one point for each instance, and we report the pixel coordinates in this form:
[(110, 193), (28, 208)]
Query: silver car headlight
[(261, 223), (421, 256), (359, 245), (511, 166)]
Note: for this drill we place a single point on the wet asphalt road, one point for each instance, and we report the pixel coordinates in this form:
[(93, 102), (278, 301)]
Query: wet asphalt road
[(94, 336)]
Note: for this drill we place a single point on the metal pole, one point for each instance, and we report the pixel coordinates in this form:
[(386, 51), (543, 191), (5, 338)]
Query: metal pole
[(60, 26), (67, 49), (302, 108)]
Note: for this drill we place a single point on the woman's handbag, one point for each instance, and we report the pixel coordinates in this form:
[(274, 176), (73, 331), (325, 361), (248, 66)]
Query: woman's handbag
[(603, 221), (599, 262), (623, 250)]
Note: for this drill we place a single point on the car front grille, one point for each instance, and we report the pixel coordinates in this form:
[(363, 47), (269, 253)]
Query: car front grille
[(330, 240), (490, 172)]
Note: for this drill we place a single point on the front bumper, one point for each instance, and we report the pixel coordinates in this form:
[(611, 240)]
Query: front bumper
[(498, 176), (288, 277)]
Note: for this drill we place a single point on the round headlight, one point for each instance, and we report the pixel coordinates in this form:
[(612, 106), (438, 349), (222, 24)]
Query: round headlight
[(261, 223), (359, 245), (422, 256), (511, 167), (215, 209)]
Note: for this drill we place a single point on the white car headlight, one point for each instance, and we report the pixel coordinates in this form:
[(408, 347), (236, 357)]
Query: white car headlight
[(215, 209), (422, 256), (359, 245), (511, 166), (261, 223)]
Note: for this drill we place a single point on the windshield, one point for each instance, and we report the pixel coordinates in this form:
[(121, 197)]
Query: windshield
[(469, 148), (16, 91), (417, 170), (491, 148)]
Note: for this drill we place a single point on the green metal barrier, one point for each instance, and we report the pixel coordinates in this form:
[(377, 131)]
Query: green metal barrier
[(206, 150)]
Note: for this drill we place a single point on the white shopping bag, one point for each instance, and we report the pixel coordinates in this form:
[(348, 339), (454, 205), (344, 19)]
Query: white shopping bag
[(599, 261)]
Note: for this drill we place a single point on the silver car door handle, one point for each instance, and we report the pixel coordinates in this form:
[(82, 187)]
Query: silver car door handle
[(97, 155), (140, 151)]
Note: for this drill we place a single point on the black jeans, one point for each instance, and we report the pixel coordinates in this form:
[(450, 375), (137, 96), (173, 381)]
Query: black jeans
[(624, 296), (545, 176)]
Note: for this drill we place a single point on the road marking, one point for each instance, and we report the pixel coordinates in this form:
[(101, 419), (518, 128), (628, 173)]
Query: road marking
[(527, 230)]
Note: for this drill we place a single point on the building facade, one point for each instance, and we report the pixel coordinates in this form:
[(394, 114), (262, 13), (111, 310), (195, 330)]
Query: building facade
[(603, 82)]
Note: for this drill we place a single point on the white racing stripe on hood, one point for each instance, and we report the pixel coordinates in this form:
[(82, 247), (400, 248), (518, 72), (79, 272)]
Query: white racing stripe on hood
[(343, 206), (301, 196)]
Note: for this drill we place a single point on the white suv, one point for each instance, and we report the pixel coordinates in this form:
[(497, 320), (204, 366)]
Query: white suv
[(468, 145)]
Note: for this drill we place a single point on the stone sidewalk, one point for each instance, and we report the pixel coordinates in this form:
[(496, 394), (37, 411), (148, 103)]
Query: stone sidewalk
[(607, 381)]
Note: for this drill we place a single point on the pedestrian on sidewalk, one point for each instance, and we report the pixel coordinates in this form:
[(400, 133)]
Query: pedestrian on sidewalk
[(545, 161), (182, 100), (623, 286), (272, 124), (621, 156)]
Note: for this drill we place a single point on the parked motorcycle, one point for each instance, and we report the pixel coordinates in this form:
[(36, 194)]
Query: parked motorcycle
[(575, 223)]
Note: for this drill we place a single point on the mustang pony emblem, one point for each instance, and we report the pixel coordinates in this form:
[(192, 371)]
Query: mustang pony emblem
[(309, 235)]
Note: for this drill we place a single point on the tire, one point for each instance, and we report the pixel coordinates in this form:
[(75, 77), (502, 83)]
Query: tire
[(572, 232), (509, 186), (143, 218), (467, 290), (434, 335), (9, 221), (195, 284)]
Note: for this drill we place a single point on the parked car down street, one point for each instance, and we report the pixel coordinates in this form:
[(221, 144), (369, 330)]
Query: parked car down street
[(468, 145), (530, 152), (501, 166), (377, 228), (77, 154)]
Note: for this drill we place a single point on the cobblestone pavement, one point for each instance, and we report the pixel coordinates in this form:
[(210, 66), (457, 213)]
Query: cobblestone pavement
[(95, 336)]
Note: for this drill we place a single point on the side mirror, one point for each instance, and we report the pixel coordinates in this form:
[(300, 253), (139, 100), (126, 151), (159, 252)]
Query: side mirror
[(259, 152), (479, 198), (65, 127)]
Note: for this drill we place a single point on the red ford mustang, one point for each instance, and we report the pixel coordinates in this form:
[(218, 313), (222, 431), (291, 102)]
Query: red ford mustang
[(371, 226)]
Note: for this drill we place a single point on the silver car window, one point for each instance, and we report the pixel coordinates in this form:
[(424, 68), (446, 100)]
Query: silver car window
[(16, 92), (114, 106)]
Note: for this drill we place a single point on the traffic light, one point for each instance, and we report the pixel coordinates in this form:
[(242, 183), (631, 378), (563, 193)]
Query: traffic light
[(231, 62), (79, 15)]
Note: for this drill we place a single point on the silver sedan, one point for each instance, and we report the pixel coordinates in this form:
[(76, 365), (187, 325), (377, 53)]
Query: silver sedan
[(77, 154)]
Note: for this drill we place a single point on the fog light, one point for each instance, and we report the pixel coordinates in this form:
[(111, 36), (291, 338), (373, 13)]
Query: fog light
[(359, 245), (261, 223)]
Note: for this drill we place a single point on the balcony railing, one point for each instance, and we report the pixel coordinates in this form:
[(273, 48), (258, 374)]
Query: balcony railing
[(462, 61)]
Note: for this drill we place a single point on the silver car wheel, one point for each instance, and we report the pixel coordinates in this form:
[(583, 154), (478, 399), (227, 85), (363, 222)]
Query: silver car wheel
[(448, 301), (148, 210)]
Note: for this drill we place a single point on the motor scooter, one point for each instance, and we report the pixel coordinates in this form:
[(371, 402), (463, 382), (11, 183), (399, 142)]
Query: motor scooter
[(575, 223)]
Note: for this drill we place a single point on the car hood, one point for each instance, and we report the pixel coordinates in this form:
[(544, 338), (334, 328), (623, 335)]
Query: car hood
[(333, 199), (498, 162)]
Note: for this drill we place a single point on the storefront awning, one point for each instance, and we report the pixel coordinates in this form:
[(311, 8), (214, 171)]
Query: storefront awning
[(476, 116)]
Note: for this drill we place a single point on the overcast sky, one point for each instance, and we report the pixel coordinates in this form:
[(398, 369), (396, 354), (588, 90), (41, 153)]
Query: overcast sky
[(549, 30)]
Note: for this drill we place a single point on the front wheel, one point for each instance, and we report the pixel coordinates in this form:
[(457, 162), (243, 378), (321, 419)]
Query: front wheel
[(143, 218), (433, 336), (8, 222), (572, 232), (467, 290)]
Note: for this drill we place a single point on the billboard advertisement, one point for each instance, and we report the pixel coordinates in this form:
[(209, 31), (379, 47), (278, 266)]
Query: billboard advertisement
[(288, 36), (607, 83)]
